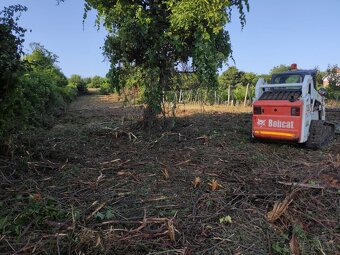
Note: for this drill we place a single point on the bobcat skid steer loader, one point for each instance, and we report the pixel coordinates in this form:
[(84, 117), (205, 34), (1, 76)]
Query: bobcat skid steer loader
[(291, 109)]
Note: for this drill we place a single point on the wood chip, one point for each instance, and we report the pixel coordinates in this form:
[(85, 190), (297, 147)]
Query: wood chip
[(166, 173), (171, 230), (214, 185), (280, 208), (197, 182), (294, 246)]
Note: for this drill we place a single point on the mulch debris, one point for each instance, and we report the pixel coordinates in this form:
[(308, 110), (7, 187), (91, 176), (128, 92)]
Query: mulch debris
[(99, 183)]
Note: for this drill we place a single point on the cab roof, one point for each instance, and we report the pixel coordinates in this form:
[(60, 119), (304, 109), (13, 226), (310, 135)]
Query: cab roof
[(301, 72)]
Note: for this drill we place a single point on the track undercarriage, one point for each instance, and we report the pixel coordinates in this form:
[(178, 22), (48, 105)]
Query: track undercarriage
[(321, 133)]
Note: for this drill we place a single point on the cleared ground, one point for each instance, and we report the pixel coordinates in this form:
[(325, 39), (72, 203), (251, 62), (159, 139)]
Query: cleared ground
[(96, 182)]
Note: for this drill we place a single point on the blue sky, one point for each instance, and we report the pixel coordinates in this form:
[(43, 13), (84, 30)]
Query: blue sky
[(60, 29), (305, 32), (277, 32)]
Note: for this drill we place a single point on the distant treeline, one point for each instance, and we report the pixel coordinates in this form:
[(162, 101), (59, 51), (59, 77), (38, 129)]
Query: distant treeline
[(234, 87)]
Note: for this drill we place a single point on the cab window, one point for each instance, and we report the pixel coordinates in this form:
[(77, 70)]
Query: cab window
[(289, 78)]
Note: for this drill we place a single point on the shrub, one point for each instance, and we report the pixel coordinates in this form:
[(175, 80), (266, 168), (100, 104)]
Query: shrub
[(31, 88), (69, 92), (239, 92), (97, 82), (78, 82), (105, 88), (333, 93), (35, 96)]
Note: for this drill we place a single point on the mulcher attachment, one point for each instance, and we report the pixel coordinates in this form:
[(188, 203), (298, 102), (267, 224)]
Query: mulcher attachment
[(321, 133)]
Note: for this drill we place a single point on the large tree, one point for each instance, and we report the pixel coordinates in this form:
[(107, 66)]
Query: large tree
[(231, 77), (155, 36)]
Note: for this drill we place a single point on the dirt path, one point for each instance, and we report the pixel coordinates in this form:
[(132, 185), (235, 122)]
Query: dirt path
[(95, 183)]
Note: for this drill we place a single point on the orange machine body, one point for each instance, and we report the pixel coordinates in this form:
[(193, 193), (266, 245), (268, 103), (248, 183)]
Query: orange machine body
[(277, 119)]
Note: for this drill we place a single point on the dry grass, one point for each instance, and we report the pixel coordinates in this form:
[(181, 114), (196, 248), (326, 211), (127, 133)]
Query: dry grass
[(190, 109)]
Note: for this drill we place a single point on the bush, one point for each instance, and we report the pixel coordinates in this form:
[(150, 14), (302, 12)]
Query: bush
[(239, 92), (333, 93), (78, 82), (69, 93), (35, 96), (97, 82), (105, 88), (32, 87)]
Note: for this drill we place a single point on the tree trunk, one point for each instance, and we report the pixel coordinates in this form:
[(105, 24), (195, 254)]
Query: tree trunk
[(154, 98), (149, 117)]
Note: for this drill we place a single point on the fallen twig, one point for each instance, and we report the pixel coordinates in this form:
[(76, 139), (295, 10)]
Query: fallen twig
[(303, 185), (96, 210)]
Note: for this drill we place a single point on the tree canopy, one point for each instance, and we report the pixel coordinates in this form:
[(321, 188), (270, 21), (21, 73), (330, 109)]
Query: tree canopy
[(44, 60), (333, 77), (279, 69), (232, 77), (11, 46), (155, 36)]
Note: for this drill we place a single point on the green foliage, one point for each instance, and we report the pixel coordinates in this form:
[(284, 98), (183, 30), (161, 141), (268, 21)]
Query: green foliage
[(266, 77), (239, 92), (11, 47), (237, 80), (78, 82), (88, 82), (69, 93), (30, 89), (333, 77), (35, 96), (319, 78), (279, 69), (42, 60), (230, 77), (32, 211), (185, 81), (157, 35), (97, 82), (280, 246), (105, 88), (116, 78), (108, 214), (249, 78)]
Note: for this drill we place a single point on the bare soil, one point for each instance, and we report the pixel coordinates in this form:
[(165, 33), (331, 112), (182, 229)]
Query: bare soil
[(97, 183)]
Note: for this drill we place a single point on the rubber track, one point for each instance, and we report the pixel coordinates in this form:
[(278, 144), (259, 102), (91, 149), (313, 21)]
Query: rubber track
[(321, 133)]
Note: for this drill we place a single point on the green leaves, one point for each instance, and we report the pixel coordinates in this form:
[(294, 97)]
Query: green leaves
[(39, 91), (155, 36), (78, 82), (11, 47), (107, 215), (30, 210), (226, 219)]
